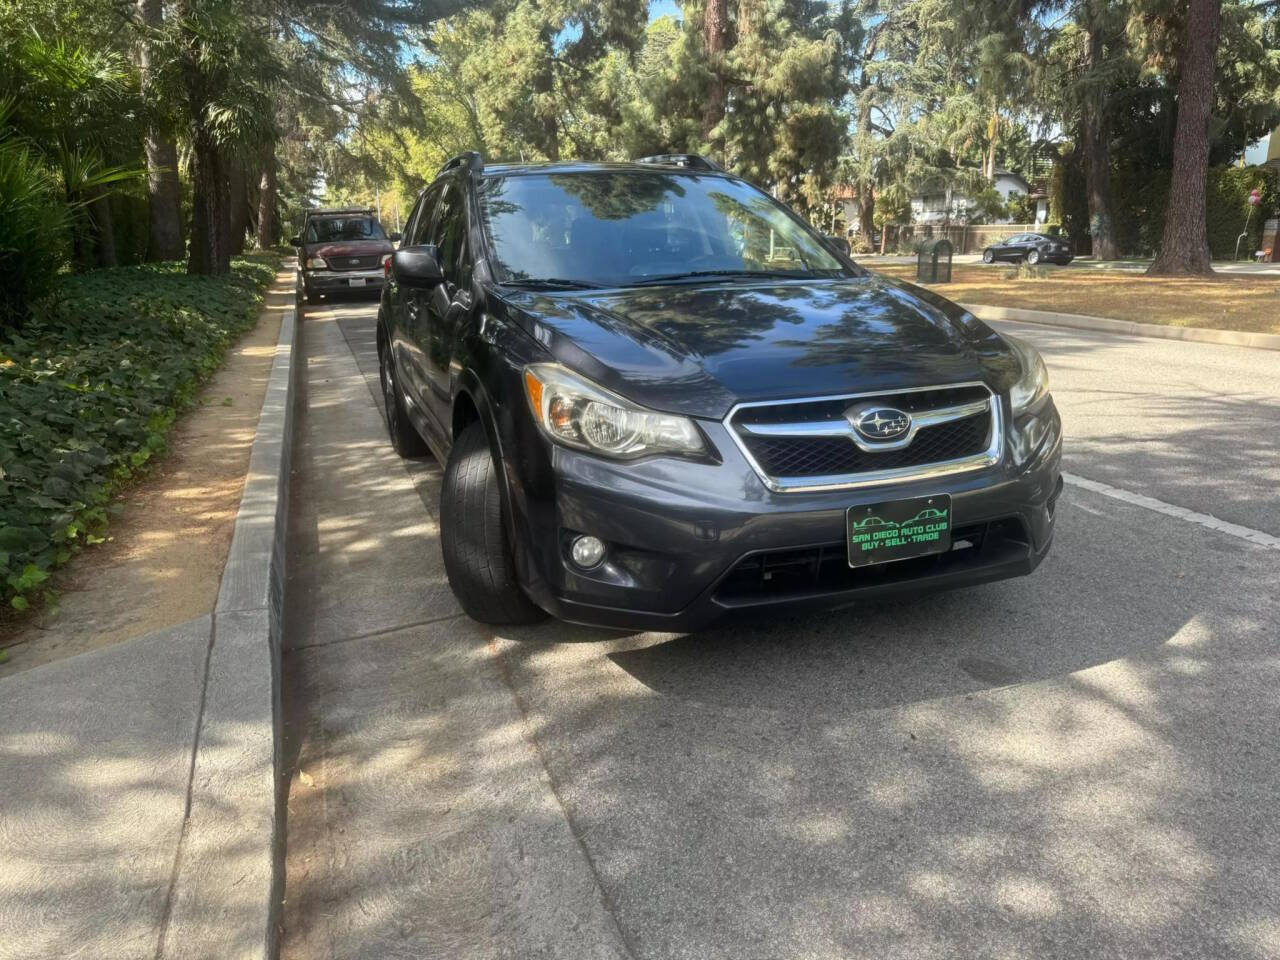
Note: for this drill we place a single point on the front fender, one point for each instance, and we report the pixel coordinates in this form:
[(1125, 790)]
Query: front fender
[(492, 356)]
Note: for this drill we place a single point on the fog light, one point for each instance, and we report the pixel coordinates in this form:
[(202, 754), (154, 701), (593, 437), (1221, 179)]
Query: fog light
[(587, 551)]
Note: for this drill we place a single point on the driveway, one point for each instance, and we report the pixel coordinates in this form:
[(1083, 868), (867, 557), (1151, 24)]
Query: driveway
[(1082, 763)]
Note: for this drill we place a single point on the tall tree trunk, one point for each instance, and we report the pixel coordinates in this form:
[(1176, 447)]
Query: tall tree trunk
[(267, 200), (866, 212), (1095, 135), (713, 31), (104, 231), (210, 222), (164, 200), (210, 217), (164, 194), (993, 136), (543, 85), (866, 190), (238, 207), (1184, 250)]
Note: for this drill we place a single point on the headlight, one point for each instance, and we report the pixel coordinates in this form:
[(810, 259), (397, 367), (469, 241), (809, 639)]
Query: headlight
[(316, 263), (578, 413), (1033, 383)]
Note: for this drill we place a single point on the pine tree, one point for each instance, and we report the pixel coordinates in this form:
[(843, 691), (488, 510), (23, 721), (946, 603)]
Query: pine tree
[(164, 192), (1184, 249)]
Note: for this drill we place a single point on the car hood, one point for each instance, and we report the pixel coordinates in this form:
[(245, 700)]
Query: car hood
[(698, 350), (349, 248)]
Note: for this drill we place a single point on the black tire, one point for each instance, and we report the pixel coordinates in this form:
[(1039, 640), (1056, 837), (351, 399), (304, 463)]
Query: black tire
[(988, 256), (312, 298), (1033, 256), (404, 437), (477, 555)]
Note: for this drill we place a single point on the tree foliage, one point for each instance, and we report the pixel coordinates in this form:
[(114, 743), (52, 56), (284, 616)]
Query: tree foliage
[(251, 109)]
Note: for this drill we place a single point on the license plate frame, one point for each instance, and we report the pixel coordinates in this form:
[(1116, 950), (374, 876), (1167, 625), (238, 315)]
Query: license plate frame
[(357, 282), (892, 530)]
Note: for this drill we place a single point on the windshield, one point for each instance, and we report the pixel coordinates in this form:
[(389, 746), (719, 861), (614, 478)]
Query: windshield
[(612, 228), (329, 229)]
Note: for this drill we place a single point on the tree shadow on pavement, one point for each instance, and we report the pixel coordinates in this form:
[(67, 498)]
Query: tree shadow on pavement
[(1073, 764)]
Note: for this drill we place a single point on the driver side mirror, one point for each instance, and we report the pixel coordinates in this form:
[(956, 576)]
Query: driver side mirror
[(395, 237), (295, 241), (840, 245), (417, 266)]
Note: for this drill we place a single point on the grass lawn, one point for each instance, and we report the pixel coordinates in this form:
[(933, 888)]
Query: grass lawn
[(1249, 303)]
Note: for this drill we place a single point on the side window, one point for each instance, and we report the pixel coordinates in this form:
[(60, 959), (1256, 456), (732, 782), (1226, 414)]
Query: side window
[(423, 224), (451, 234), (406, 236)]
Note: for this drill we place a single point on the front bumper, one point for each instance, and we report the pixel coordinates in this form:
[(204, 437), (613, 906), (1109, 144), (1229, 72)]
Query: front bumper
[(340, 281), (692, 542)]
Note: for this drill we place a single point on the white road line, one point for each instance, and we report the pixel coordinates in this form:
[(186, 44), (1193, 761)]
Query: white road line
[(1169, 510)]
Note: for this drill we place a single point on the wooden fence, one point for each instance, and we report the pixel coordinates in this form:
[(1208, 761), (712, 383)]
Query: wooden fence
[(964, 239)]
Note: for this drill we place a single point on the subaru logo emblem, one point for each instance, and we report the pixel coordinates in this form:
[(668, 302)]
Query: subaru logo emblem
[(879, 423)]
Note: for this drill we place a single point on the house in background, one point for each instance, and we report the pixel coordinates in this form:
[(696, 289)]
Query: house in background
[(931, 207)]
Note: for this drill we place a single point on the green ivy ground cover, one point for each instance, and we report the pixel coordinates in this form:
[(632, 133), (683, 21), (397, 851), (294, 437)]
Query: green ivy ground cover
[(88, 390)]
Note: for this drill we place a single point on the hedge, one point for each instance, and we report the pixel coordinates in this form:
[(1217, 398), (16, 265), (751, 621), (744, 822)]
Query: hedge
[(88, 390), (1140, 205)]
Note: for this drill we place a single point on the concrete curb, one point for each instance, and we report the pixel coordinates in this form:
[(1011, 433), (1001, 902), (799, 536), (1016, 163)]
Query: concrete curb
[(226, 891), (1233, 338)]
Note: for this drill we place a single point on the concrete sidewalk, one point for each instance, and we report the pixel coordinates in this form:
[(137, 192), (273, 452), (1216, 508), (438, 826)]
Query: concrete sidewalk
[(422, 823), (95, 760), (137, 781)]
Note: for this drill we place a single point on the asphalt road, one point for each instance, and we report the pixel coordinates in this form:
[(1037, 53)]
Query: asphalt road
[(1082, 763)]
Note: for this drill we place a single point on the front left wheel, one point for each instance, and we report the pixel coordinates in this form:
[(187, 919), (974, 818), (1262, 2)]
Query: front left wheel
[(473, 536), (988, 256)]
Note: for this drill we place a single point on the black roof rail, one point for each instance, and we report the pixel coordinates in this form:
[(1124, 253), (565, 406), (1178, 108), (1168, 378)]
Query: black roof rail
[(330, 211), (690, 161), (472, 160)]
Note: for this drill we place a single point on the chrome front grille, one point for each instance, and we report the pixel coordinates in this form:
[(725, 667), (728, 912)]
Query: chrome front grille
[(812, 444)]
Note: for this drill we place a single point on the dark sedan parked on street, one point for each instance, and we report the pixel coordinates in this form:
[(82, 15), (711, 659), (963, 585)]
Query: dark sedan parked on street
[(661, 397), (1031, 247), (341, 251)]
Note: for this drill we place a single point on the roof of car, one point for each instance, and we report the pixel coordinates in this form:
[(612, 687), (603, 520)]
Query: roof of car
[(585, 166), (340, 211)]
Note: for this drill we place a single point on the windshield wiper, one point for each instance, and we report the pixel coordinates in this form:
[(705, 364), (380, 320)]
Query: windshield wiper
[(550, 283), (689, 274)]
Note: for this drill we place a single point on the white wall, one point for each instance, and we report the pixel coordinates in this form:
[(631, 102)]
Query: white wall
[(1007, 186)]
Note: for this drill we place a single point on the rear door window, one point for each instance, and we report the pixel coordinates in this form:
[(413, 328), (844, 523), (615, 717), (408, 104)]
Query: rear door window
[(450, 231), (422, 228)]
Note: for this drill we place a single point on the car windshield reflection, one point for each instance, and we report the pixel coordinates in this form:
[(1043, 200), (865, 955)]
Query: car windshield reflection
[(614, 228)]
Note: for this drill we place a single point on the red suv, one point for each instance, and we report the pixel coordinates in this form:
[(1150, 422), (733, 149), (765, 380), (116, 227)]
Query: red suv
[(341, 250)]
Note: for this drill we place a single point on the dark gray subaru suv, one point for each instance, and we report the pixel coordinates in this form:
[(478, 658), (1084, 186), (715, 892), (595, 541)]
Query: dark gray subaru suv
[(661, 397)]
